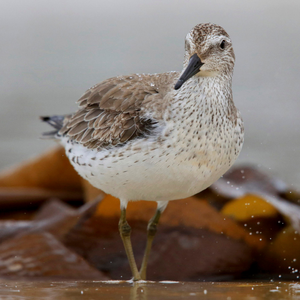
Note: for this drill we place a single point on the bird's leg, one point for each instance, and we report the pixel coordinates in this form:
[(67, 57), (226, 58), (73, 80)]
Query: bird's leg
[(151, 230), (125, 231)]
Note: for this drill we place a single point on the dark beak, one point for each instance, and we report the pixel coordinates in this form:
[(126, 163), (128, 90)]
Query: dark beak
[(192, 69)]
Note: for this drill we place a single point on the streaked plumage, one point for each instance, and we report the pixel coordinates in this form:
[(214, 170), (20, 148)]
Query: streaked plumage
[(139, 138), (115, 110)]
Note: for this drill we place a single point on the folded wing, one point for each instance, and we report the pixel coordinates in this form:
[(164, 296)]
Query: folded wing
[(110, 113)]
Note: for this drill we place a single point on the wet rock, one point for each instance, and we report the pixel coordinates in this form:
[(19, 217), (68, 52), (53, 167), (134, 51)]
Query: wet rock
[(90, 192), (246, 179), (9, 229), (16, 198), (196, 254), (291, 195), (263, 211), (256, 215), (42, 255), (51, 170), (190, 242), (58, 218), (194, 213), (36, 180), (249, 182), (259, 220), (282, 255), (55, 217), (189, 212), (54, 209), (249, 206)]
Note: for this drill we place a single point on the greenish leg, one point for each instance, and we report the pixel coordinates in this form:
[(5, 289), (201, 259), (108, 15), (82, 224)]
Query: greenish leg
[(151, 230), (125, 231)]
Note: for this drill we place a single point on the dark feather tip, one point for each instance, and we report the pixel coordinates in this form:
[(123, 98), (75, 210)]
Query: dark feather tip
[(45, 119)]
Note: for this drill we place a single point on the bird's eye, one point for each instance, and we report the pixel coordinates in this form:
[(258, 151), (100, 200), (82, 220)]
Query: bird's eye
[(222, 45)]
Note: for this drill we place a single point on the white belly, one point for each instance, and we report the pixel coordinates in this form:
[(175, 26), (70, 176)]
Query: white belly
[(145, 170)]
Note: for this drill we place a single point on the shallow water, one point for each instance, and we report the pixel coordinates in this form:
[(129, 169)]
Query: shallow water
[(113, 290)]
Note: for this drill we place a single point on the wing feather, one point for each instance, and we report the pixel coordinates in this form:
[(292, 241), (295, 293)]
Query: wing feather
[(87, 136), (78, 128), (92, 114), (110, 113)]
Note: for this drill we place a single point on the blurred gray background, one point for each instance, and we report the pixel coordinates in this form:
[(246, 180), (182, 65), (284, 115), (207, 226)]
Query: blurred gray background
[(52, 51)]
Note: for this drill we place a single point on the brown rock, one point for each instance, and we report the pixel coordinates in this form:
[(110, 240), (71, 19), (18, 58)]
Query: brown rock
[(194, 254), (90, 192), (54, 209), (179, 253), (247, 183), (190, 212), (283, 253), (193, 240), (249, 206), (40, 255), (52, 170), (58, 218), (12, 198), (256, 215), (292, 195), (49, 175), (54, 217), (246, 179), (10, 228)]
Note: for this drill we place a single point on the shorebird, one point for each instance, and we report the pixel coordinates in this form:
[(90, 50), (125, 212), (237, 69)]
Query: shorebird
[(158, 137)]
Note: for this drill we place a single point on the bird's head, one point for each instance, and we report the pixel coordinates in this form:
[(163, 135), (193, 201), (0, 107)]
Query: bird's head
[(208, 52)]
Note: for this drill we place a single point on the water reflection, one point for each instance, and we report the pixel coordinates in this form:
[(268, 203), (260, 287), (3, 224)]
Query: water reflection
[(139, 291), (113, 290)]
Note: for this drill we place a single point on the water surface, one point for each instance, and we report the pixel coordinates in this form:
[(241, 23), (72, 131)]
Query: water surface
[(115, 290)]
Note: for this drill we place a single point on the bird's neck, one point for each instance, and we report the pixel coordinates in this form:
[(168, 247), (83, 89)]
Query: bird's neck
[(201, 97), (209, 90)]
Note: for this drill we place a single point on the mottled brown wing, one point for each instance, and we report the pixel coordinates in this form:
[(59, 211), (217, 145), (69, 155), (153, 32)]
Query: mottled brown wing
[(110, 112)]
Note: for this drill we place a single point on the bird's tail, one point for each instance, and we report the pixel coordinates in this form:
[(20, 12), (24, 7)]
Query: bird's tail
[(56, 122)]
